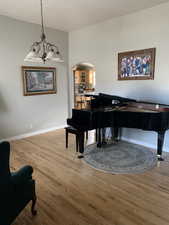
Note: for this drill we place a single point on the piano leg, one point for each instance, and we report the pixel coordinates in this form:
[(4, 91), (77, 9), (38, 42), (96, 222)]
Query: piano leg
[(119, 133), (160, 143), (99, 143), (96, 135), (81, 144), (104, 136), (115, 133)]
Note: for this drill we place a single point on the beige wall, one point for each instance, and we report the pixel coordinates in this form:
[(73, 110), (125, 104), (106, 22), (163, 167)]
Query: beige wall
[(100, 44), (20, 114)]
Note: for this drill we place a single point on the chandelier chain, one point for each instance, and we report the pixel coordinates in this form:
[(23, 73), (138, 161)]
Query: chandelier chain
[(42, 21)]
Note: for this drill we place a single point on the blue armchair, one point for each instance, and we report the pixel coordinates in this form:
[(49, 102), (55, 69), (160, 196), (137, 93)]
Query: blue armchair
[(16, 189)]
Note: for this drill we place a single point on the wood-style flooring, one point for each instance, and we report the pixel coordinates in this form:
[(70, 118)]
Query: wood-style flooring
[(71, 193)]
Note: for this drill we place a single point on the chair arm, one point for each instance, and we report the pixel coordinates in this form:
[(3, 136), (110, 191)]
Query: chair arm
[(22, 175)]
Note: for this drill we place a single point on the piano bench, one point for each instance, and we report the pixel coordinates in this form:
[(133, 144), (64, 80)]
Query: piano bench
[(78, 134)]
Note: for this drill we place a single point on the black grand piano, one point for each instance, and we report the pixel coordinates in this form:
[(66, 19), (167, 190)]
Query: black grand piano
[(118, 112)]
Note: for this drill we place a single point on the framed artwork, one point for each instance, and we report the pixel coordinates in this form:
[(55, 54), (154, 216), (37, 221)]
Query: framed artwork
[(38, 80), (136, 65)]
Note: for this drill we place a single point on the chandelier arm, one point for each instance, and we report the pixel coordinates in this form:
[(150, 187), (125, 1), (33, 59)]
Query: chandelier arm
[(36, 46), (44, 49), (49, 45), (36, 43)]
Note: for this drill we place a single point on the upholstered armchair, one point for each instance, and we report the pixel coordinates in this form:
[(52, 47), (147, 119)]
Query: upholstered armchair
[(16, 189)]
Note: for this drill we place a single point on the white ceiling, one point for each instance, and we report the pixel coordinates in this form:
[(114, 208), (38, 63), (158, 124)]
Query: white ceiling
[(69, 15)]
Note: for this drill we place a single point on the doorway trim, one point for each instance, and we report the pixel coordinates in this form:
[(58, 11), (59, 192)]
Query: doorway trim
[(84, 64)]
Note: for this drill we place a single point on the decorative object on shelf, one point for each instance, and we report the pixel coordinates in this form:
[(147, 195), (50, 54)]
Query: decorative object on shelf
[(42, 51), (136, 65), (39, 80)]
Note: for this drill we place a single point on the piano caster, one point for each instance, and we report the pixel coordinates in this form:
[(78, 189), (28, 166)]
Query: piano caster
[(160, 158), (80, 156)]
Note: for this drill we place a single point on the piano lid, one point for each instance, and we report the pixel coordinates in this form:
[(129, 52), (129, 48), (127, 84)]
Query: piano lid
[(115, 97)]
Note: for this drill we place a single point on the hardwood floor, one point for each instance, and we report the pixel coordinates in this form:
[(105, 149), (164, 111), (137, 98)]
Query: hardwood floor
[(71, 193)]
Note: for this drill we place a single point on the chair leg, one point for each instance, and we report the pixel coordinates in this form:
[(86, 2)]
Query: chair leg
[(66, 139), (33, 210)]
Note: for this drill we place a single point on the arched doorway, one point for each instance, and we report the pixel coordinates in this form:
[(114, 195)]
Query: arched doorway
[(84, 82)]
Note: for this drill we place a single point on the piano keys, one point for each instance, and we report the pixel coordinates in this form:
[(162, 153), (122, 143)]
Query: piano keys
[(118, 112)]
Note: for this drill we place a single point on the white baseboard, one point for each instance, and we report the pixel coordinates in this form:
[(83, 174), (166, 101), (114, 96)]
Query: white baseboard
[(145, 144), (33, 133), (148, 145)]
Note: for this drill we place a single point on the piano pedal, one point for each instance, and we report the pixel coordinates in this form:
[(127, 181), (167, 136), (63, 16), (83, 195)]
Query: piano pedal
[(80, 156), (104, 142), (114, 141), (160, 158)]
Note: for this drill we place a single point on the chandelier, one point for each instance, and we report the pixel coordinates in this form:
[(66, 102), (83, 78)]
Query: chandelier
[(42, 51)]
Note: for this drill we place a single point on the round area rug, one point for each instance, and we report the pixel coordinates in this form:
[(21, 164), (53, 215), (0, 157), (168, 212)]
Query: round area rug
[(120, 158)]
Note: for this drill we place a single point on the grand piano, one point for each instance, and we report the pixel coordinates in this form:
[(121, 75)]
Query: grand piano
[(118, 112)]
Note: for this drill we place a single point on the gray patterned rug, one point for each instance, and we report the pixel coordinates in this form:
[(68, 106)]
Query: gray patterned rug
[(121, 158)]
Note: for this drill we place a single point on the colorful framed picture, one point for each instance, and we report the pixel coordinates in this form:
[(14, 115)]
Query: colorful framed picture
[(137, 65), (38, 80)]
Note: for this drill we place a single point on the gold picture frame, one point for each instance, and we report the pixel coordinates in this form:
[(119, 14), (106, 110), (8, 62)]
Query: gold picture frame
[(137, 65), (38, 80)]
